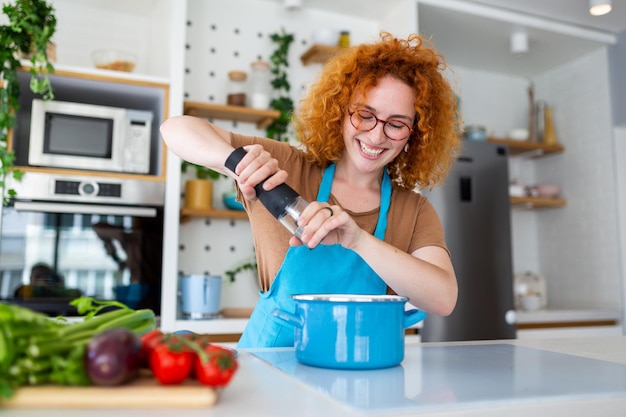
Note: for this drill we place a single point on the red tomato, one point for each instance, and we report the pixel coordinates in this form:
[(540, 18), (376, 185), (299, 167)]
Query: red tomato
[(203, 340), (171, 362), (148, 342), (218, 369)]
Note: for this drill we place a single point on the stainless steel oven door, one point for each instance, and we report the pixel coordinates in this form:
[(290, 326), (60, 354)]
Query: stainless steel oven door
[(100, 250)]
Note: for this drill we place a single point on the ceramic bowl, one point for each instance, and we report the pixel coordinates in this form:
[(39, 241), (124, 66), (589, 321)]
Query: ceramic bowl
[(518, 134), (517, 190), (548, 190), (114, 59), (231, 202), (530, 302), (329, 37)]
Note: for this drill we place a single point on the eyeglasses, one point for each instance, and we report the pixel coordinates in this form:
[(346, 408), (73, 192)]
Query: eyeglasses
[(365, 121)]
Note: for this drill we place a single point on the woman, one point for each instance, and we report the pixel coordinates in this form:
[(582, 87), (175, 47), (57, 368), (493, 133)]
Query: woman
[(379, 122)]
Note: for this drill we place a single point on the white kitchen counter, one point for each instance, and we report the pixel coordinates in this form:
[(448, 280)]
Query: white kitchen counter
[(567, 316), (236, 325), (569, 323), (573, 377)]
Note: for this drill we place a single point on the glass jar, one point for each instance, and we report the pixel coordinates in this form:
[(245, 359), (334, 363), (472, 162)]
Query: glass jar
[(260, 88), (475, 132), (236, 88)]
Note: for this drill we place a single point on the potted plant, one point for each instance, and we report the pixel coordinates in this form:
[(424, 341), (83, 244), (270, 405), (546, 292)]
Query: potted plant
[(31, 25), (199, 190), (280, 83)]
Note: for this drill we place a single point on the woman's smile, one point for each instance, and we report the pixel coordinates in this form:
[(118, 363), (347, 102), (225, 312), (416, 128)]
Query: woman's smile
[(369, 150)]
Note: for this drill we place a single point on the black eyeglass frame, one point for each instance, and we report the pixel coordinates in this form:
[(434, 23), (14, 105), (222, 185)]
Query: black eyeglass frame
[(384, 122)]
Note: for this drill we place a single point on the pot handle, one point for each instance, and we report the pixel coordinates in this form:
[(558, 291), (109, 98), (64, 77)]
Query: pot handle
[(413, 316), (288, 318)]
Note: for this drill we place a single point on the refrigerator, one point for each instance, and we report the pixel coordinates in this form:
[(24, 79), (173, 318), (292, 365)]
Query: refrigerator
[(474, 208)]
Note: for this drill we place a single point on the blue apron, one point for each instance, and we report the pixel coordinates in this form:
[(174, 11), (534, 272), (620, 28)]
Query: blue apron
[(324, 269)]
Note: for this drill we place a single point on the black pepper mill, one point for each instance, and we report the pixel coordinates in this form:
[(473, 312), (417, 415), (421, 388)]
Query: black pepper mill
[(283, 202)]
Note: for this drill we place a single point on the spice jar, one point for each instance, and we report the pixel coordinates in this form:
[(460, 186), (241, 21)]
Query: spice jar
[(236, 88), (344, 39), (260, 85)]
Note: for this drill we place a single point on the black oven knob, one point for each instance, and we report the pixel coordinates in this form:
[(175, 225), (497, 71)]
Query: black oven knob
[(88, 188)]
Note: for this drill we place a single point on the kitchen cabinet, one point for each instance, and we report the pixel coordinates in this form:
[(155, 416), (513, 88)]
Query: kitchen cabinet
[(128, 205), (457, 27), (568, 323), (99, 87)]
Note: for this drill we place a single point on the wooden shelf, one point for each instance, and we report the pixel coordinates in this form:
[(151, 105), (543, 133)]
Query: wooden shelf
[(538, 202), (186, 213), (318, 54), (262, 118), (533, 149)]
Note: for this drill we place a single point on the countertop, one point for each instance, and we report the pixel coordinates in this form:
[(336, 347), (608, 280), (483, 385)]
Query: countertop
[(538, 377), (567, 316), (236, 325)]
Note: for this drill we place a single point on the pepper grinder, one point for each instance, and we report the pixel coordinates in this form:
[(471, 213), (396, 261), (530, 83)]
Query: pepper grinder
[(282, 202)]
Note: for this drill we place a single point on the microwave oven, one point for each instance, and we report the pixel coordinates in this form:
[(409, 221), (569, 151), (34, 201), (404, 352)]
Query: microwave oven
[(90, 137)]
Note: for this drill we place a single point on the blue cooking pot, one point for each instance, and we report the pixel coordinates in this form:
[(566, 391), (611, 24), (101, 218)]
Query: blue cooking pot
[(347, 331)]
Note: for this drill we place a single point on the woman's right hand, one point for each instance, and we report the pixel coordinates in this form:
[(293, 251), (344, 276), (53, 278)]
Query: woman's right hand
[(256, 166)]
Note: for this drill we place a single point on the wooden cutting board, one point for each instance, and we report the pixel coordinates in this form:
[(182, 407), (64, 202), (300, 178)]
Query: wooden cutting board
[(141, 393)]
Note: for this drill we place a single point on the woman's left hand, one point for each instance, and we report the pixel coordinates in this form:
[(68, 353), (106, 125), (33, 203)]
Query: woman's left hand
[(328, 225)]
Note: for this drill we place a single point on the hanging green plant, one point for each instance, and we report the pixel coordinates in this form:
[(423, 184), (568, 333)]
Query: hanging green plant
[(231, 274), (31, 26), (202, 172), (282, 102)]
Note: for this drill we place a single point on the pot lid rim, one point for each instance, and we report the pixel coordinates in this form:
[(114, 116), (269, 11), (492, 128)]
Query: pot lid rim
[(350, 297)]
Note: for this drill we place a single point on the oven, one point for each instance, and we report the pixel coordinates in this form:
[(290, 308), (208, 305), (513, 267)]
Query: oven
[(66, 236)]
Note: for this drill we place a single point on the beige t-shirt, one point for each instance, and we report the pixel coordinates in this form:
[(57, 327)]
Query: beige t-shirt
[(412, 222)]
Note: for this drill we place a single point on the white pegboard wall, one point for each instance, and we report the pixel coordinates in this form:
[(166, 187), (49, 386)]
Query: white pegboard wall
[(221, 38), (212, 246)]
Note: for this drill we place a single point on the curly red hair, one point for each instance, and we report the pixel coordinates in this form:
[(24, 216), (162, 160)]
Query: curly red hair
[(434, 144)]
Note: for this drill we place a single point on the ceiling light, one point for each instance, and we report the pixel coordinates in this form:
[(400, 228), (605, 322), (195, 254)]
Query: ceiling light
[(599, 7), (293, 4), (519, 42)]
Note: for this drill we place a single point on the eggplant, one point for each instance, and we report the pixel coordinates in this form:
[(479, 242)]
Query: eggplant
[(112, 357)]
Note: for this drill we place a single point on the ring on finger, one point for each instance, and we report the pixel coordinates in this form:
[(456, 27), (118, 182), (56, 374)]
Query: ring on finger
[(329, 209)]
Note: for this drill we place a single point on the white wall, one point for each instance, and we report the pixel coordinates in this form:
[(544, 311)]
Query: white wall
[(620, 191), (139, 27), (578, 245)]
